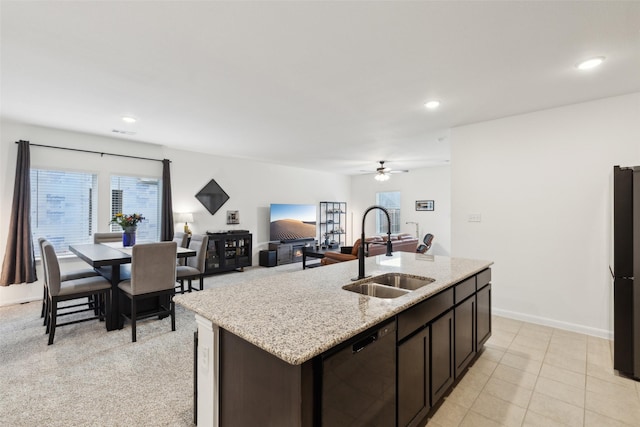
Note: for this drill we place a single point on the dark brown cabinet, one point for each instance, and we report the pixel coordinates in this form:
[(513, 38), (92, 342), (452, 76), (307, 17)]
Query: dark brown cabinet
[(425, 357), (228, 251), (441, 356), (413, 379), (465, 333), (483, 331), (437, 339)]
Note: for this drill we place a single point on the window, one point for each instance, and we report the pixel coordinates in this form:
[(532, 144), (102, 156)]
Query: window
[(391, 201), (130, 194), (62, 208)]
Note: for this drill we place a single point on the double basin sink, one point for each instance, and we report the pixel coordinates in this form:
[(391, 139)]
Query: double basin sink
[(389, 285)]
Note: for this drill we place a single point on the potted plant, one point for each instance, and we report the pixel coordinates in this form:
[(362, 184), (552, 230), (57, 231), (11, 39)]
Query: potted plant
[(129, 224)]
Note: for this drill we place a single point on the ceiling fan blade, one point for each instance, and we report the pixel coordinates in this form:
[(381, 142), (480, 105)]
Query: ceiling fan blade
[(397, 171)]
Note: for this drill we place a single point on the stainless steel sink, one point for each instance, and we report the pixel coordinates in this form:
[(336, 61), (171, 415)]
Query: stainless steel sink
[(376, 290), (389, 285), (402, 281)]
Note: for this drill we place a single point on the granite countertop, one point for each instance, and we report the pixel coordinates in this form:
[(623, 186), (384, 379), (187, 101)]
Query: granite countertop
[(298, 315)]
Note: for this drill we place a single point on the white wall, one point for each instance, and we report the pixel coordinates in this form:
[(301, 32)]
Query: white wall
[(542, 185), (432, 183), (251, 186)]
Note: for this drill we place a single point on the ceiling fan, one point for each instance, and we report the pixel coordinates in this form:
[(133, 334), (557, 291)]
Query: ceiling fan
[(382, 172)]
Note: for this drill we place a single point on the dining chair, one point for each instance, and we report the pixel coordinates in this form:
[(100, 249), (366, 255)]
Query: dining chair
[(107, 237), (153, 273), (69, 275), (194, 266), (63, 290), (182, 240)]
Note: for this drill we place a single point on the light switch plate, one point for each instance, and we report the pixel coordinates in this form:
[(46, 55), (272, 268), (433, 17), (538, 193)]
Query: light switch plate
[(475, 218)]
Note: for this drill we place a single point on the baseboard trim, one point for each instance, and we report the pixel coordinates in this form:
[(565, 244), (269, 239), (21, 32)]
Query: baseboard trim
[(6, 303), (573, 327)]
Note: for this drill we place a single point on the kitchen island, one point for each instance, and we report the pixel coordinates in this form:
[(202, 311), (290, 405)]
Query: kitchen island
[(261, 343)]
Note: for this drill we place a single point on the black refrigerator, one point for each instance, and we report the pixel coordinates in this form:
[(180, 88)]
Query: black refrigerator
[(626, 267)]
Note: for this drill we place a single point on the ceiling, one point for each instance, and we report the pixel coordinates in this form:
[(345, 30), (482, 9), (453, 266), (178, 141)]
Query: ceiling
[(333, 85)]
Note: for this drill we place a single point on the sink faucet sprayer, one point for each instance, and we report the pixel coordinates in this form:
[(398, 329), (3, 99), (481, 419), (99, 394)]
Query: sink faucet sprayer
[(361, 248)]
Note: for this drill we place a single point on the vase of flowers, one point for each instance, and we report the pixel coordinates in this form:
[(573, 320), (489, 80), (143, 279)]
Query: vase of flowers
[(129, 224)]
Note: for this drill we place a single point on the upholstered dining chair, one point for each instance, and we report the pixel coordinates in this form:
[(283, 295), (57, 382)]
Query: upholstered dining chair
[(58, 290), (107, 237), (194, 266), (153, 274), (182, 240), (69, 275)]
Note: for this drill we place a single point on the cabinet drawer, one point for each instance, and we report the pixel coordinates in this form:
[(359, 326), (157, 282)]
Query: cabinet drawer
[(465, 289), (423, 313), (484, 277)]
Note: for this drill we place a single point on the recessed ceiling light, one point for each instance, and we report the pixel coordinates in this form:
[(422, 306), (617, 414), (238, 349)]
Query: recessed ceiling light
[(431, 105), (590, 63), (129, 119)]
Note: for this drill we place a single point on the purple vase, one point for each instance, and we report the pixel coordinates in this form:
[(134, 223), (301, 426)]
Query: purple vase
[(129, 236)]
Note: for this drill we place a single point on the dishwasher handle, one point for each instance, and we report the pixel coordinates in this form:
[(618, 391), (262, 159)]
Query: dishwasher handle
[(363, 343)]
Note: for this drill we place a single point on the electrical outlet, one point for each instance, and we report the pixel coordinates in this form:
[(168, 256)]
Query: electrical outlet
[(475, 218), (204, 358)]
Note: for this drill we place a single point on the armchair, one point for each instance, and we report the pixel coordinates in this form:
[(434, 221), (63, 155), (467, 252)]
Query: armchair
[(428, 240)]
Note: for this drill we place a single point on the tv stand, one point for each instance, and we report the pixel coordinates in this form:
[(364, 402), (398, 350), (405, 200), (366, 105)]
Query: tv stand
[(289, 252)]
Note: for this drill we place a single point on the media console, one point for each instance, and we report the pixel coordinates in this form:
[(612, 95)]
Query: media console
[(288, 252)]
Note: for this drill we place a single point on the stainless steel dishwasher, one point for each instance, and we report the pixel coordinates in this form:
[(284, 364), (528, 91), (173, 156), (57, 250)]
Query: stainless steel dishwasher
[(359, 380)]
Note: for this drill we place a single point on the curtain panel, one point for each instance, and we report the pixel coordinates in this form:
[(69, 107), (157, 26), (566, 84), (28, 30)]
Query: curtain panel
[(19, 262), (166, 214)]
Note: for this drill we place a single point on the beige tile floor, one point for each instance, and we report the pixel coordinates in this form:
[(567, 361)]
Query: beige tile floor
[(532, 375)]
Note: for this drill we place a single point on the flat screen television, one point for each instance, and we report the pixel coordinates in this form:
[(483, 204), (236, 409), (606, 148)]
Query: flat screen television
[(291, 223)]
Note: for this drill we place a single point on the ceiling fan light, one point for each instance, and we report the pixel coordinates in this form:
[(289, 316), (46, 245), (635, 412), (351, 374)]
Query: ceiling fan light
[(381, 176)]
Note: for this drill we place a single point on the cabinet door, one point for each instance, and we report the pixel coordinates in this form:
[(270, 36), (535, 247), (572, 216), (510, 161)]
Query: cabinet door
[(484, 316), (465, 333), (413, 379), (213, 262), (441, 356)]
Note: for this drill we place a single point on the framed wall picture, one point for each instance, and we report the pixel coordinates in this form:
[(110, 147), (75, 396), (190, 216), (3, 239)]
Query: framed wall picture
[(425, 205), (233, 217)]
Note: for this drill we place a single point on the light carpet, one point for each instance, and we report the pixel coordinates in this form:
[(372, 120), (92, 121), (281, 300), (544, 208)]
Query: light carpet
[(91, 377)]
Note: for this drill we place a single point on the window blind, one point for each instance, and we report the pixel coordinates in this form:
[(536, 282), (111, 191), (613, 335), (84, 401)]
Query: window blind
[(62, 208), (391, 201), (131, 194)]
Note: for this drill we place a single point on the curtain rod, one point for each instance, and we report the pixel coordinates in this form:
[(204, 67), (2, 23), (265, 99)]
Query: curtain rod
[(92, 152)]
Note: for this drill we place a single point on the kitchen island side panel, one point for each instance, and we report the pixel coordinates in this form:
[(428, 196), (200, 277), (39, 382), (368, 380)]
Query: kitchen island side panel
[(259, 389)]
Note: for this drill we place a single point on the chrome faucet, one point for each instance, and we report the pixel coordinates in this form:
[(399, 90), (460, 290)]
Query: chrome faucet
[(361, 274)]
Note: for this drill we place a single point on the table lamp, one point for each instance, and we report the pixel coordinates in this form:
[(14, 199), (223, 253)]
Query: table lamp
[(185, 217)]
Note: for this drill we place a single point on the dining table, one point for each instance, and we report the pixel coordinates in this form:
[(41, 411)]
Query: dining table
[(112, 261)]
